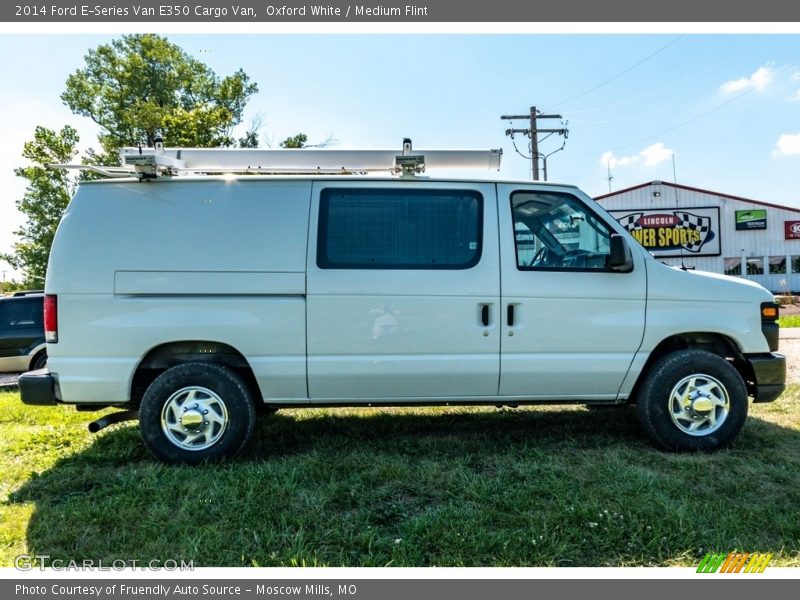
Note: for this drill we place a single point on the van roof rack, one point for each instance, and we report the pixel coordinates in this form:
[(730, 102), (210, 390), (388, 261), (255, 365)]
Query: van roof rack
[(158, 161)]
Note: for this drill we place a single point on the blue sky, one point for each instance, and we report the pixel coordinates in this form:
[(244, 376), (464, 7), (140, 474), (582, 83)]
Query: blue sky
[(727, 106)]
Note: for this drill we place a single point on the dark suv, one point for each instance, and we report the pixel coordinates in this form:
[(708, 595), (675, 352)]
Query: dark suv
[(22, 346)]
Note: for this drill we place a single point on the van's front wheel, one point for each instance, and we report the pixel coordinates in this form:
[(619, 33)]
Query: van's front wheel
[(195, 413), (692, 400)]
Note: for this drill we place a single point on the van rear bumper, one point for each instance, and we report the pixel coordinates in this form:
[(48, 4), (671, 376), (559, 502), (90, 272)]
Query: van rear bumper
[(38, 388), (769, 373)]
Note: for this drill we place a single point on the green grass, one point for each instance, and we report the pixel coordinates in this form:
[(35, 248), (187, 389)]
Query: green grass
[(789, 321), (403, 487)]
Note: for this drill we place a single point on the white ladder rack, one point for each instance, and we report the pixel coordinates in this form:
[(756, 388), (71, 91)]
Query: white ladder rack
[(147, 163)]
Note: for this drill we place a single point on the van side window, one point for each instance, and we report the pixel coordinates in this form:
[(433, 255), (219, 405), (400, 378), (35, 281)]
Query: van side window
[(399, 229), (555, 231)]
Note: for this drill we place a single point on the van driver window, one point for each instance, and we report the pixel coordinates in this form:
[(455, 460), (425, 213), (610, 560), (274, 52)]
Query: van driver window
[(554, 231)]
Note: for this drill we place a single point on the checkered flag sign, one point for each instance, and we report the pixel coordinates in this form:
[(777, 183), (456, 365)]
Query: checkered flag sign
[(695, 223), (631, 222)]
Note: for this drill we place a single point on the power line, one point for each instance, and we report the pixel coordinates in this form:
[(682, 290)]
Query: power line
[(659, 90), (683, 123), (620, 74), (514, 142), (639, 117)]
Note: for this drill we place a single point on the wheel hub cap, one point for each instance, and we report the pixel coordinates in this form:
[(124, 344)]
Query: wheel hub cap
[(702, 404), (194, 418), (698, 404)]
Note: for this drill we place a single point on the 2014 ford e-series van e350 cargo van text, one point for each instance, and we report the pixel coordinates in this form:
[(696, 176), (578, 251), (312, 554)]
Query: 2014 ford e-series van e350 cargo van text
[(190, 300)]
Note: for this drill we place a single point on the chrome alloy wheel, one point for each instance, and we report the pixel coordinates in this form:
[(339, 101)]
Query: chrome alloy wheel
[(194, 418), (698, 404)]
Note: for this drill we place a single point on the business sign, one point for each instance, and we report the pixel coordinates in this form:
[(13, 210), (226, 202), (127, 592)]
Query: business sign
[(674, 232), (791, 230), (751, 219)]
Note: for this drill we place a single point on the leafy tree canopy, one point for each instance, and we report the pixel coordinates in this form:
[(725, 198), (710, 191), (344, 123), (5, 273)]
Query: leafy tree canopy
[(297, 141), (142, 86), (46, 197), (136, 88)]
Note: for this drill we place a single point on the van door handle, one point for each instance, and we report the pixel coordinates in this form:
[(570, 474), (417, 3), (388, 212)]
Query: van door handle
[(510, 315), (485, 315)]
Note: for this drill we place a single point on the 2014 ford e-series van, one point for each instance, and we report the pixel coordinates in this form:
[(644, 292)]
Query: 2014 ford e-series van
[(190, 300)]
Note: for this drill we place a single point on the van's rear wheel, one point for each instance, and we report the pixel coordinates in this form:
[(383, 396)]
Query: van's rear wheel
[(692, 400), (195, 413)]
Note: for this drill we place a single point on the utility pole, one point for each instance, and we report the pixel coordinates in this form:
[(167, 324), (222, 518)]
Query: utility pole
[(533, 133)]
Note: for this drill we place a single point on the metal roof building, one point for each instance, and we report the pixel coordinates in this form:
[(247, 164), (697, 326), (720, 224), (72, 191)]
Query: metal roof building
[(712, 231)]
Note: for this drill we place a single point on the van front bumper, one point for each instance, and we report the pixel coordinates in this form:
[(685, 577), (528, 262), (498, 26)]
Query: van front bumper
[(38, 388), (769, 374)]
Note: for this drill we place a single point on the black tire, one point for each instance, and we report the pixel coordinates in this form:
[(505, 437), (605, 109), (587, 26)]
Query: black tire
[(217, 390), (39, 361), (717, 378)]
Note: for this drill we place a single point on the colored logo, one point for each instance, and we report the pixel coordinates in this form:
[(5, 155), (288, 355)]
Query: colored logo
[(751, 219), (678, 230), (791, 230), (734, 562)]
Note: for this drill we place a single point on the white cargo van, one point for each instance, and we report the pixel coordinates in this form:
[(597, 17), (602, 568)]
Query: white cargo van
[(190, 301)]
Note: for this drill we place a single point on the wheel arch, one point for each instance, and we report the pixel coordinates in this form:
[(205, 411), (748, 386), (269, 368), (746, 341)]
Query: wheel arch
[(716, 343), (169, 354), (35, 353)]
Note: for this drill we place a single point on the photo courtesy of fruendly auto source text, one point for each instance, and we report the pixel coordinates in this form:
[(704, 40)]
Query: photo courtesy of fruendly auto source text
[(370, 301)]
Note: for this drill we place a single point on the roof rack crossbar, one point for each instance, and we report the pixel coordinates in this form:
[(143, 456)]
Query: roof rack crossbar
[(99, 169)]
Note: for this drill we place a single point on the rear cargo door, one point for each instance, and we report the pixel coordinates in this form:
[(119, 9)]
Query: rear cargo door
[(403, 291)]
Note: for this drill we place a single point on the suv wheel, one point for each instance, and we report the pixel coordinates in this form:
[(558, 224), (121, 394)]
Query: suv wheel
[(692, 400), (39, 361), (195, 413)]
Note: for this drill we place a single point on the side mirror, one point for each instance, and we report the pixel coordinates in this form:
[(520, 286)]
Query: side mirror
[(620, 258)]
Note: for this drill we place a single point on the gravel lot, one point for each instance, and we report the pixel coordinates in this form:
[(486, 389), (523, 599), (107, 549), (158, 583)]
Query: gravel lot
[(8, 379), (791, 348)]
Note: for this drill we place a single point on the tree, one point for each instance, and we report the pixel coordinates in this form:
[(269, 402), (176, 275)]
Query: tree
[(301, 141), (11, 285), (46, 197), (297, 141), (142, 86), (250, 138), (136, 88)]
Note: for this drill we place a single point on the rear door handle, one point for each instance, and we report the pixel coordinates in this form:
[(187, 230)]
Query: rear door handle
[(510, 315)]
